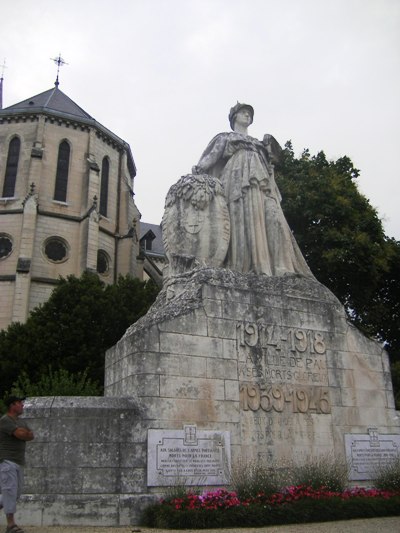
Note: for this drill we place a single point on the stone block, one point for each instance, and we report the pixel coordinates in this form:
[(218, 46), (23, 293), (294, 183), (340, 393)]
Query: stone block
[(177, 343), (130, 507), (141, 385), (84, 454), (212, 308), (166, 364), (229, 349), (194, 323), (84, 429), (194, 388), (360, 397), (233, 294), (222, 369), (100, 480), (236, 311), (38, 452), (133, 455), (133, 480), (231, 390), (222, 328)]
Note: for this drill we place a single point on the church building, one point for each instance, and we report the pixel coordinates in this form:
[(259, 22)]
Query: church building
[(67, 202)]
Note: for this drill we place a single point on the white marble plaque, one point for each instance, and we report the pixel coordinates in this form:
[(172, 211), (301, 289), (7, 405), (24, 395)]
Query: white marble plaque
[(188, 457), (367, 452)]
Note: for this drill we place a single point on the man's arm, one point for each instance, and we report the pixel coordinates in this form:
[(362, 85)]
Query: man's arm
[(23, 434)]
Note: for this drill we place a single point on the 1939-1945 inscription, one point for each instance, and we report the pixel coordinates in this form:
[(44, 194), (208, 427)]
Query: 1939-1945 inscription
[(282, 369)]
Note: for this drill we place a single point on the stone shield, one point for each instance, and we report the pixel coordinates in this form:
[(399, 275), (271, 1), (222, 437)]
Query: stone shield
[(196, 227)]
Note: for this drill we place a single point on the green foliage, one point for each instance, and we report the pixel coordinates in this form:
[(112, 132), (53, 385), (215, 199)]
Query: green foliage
[(387, 476), (343, 241), (248, 478), (338, 231), (322, 471), (72, 330), (57, 383)]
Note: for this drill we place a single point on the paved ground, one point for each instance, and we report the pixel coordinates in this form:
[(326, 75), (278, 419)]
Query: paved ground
[(371, 525)]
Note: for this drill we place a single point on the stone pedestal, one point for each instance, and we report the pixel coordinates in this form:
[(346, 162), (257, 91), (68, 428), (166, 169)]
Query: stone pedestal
[(272, 360), (223, 366)]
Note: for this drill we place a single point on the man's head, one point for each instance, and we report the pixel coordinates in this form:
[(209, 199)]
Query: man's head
[(15, 404)]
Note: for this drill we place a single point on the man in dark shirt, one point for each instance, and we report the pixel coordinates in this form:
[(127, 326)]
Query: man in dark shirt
[(13, 435)]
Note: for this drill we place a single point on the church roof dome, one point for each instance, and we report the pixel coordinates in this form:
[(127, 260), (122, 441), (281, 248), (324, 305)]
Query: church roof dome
[(56, 103), (52, 100)]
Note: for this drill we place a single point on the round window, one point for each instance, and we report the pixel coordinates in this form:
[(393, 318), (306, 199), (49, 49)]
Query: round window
[(56, 249), (5, 246), (103, 262)]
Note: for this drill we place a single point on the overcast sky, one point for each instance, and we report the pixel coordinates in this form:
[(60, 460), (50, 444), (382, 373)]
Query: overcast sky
[(163, 74)]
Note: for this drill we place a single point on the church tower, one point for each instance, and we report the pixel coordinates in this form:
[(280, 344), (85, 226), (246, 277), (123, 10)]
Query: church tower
[(66, 201)]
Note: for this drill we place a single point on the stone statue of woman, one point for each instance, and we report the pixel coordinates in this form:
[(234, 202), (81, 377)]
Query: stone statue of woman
[(260, 238)]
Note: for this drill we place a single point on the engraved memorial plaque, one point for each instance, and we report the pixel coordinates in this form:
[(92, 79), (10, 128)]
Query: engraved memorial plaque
[(366, 453), (188, 457)]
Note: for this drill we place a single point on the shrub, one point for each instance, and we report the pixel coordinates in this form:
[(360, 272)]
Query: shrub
[(322, 471), (387, 477), (249, 478), (59, 382)]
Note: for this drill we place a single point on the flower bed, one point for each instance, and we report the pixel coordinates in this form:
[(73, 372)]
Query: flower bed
[(294, 504)]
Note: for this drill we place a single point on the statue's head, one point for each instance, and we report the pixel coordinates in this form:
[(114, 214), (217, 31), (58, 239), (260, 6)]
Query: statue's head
[(234, 111)]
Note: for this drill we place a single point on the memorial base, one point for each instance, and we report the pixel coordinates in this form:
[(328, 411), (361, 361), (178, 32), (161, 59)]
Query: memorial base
[(271, 360), (224, 366)]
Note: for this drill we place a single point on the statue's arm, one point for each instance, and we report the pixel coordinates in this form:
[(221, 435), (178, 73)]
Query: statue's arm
[(211, 155), (274, 149)]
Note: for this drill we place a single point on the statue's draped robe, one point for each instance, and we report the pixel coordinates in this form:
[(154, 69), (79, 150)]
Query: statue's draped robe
[(261, 240)]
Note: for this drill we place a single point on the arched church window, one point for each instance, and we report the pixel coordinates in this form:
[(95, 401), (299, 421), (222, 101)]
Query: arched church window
[(105, 170), (60, 192), (103, 262), (11, 168)]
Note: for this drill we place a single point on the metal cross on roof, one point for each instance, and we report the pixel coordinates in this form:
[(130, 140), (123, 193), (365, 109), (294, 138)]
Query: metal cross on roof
[(59, 61)]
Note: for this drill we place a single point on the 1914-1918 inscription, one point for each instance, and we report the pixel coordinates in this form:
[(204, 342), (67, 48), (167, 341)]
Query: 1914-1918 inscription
[(282, 369)]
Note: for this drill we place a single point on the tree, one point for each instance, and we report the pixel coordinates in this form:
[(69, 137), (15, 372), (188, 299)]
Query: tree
[(343, 241), (72, 330)]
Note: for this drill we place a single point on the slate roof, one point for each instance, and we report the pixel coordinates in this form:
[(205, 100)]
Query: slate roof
[(56, 103), (51, 100), (157, 244)]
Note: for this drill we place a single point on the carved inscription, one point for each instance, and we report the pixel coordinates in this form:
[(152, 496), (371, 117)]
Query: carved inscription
[(190, 456), (269, 428), (279, 354), (282, 369), (280, 339), (367, 453), (279, 398)]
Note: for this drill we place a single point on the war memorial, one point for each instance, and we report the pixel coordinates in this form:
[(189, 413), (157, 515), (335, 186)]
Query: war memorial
[(244, 354)]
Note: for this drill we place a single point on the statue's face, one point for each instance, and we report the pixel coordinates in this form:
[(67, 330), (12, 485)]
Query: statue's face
[(243, 117)]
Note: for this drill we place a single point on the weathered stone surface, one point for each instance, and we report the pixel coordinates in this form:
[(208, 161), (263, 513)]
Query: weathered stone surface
[(196, 228), (296, 375), (87, 453), (272, 361)]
